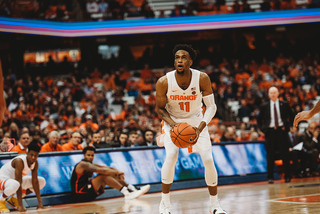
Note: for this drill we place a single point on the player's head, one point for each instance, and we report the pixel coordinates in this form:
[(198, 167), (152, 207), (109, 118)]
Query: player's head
[(183, 57), (33, 152), (88, 153), (96, 137)]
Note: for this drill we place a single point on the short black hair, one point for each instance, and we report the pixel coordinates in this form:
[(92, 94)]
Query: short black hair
[(33, 146), (192, 52), (88, 148)]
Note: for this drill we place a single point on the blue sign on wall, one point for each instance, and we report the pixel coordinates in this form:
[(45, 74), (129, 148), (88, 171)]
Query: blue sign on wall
[(144, 166)]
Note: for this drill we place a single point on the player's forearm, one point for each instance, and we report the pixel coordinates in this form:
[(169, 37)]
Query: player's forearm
[(315, 109), (19, 196), (36, 189), (165, 116)]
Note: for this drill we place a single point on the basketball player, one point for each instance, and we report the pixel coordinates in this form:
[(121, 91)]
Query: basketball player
[(14, 179), (306, 115), (179, 96), (85, 188), (2, 100)]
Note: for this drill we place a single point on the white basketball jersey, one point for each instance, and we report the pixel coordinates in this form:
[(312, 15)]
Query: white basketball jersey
[(184, 103), (7, 171)]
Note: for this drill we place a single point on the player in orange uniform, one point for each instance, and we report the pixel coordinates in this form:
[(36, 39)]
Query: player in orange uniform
[(179, 96)]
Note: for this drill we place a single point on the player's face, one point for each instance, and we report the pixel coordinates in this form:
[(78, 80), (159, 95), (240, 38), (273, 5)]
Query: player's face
[(89, 156), (182, 61), (96, 138), (32, 156)]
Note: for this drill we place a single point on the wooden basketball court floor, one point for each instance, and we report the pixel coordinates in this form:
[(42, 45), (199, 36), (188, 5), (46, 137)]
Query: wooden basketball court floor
[(299, 196)]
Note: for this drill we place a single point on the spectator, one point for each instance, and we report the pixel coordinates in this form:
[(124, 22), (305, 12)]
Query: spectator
[(89, 124), (254, 136), (311, 147), (244, 111), (229, 135), (265, 5), (122, 141), (96, 141), (53, 144), (24, 141), (149, 140), (298, 168), (74, 143), (132, 139)]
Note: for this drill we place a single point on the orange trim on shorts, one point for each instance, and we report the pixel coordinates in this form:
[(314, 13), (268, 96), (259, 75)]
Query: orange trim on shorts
[(190, 149), (2, 184), (24, 191), (162, 129)]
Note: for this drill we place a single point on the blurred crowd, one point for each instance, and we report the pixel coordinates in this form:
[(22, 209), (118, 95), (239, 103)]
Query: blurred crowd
[(121, 102), (86, 10)]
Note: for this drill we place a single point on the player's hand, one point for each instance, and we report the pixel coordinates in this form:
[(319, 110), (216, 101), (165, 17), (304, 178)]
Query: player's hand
[(22, 209), (120, 175), (199, 129), (173, 125), (304, 115)]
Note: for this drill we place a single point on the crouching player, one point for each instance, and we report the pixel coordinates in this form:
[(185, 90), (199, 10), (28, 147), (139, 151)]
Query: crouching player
[(14, 179), (85, 187)]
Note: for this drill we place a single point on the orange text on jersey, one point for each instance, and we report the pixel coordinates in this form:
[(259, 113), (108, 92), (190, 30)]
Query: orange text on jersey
[(183, 97)]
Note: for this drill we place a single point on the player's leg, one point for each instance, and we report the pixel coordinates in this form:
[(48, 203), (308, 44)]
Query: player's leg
[(167, 174), (211, 178), (141, 190), (27, 187), (7, 188)]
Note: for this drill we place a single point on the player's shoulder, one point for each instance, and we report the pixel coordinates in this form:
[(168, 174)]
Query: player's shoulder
[(163, 80)]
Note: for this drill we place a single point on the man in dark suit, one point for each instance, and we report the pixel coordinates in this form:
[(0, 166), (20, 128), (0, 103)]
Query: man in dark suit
[(274, 121), (296, 154), (311, 147)]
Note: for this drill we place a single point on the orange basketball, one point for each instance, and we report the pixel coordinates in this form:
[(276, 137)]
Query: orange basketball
[(183, 135)]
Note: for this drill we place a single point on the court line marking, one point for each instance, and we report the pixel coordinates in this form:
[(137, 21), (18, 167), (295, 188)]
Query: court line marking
[(294, 202)]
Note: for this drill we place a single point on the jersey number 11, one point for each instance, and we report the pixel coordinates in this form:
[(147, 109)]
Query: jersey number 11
[(187, 108)]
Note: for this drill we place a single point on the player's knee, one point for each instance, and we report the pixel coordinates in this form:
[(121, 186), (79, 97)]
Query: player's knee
[(42, 182), (11, 186), (173, 156)]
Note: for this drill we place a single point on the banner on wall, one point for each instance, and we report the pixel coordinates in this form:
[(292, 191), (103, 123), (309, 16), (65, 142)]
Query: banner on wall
[(144, 166)]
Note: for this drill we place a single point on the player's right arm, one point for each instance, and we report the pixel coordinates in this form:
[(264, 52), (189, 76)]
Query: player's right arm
[(161, 101), (2, 100), (85, 166), (18, 165), (306, 115)]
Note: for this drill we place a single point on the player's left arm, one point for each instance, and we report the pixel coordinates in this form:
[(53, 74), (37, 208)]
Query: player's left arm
[(118, 173), (35, 184), (208, 99)]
